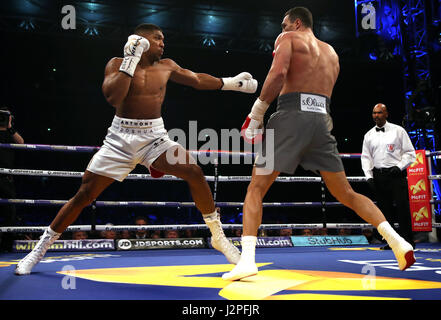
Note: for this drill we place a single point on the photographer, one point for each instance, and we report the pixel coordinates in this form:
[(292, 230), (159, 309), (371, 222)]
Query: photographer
[(8, 134)]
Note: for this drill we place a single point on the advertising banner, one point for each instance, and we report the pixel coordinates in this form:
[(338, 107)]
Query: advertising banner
[(419, 193), (67, 245), (263, 242), (147, 244), (317, 241)]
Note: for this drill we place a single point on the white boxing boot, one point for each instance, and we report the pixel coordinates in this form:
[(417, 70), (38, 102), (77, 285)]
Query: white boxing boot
[(247, 264), (26, 264), (218, 239), (402, 250)]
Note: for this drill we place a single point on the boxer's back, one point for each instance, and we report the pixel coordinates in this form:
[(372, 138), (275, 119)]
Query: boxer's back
[(314, 66)]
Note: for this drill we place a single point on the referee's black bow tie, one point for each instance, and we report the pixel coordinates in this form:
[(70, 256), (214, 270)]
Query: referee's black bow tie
[(379, 129)]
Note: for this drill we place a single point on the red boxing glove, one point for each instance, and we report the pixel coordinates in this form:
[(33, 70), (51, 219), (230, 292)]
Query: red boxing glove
[(252, 131), (155, 173)]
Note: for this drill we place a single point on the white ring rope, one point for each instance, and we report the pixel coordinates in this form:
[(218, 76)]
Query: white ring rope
[(73, 228), (73, 174), (137, 176), (107, 227), (45, 147), (77, 174)]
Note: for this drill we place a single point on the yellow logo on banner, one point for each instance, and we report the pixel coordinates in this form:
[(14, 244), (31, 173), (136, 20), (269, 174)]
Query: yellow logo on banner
[(421, 214), (419, 186), (419, 160)]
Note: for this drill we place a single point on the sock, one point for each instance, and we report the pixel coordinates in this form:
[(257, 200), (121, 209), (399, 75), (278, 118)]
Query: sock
[(248, 249), (388, 233), (51, 232), (210, 216), (213, 222)]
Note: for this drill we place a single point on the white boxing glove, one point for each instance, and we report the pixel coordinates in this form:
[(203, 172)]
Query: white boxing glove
[(252, 128), (243, 82), (133, 50)]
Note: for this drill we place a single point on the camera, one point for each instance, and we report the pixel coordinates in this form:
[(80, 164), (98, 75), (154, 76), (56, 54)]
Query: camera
[(4, 118)]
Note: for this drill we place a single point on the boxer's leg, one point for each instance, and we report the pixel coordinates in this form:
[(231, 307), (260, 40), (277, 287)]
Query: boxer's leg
[(91, 187), (340, 188), (252, 207), (185, 167), (252, 218)]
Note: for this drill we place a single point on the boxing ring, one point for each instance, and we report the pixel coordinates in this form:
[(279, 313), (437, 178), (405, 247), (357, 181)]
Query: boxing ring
[(330, 271)]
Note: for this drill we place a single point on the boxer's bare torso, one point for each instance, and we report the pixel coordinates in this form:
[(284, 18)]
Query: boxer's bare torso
[(147, 90), (141, 97), (302, 63), (313, 67)]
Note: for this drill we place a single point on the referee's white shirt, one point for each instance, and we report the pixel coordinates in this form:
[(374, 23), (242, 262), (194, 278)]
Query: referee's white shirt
[(386, 149)]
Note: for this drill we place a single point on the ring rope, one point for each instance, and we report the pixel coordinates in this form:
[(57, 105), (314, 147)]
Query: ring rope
[(107, 227), (135, 176), (77, 174), (175, 204), (45, 147)]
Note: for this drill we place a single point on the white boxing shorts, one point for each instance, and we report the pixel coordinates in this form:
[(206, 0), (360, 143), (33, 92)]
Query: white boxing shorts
[(130, 142)]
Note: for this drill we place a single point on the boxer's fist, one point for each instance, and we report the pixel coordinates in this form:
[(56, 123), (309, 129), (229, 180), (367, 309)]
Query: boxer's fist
[(252, 130), (243, 82), (133, 50), (136, 46)]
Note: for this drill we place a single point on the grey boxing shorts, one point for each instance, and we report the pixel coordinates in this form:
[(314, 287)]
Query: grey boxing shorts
[(302, 135)]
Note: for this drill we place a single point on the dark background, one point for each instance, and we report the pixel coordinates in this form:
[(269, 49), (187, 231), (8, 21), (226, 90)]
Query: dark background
[(51, 78)]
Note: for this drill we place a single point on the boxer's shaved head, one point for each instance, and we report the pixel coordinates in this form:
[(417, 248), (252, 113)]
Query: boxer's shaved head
[(146, 28), (301, 13)]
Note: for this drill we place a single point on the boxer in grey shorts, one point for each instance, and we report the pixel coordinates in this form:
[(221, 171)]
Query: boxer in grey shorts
[(303, 74), (302, 126)]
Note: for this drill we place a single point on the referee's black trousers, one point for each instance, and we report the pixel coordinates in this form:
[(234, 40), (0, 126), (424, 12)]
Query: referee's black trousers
[(392, 188)]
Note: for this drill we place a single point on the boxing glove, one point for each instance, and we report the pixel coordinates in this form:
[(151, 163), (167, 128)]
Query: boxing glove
[(133, 50), (252, 130), (243, 82), (155, 173)]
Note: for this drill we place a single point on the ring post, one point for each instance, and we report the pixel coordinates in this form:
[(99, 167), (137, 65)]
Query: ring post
[(216, 179), (93, 216), (322, 186)]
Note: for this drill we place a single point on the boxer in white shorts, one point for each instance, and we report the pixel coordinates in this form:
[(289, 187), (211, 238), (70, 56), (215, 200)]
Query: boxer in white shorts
[(130, 142), (135, 85)]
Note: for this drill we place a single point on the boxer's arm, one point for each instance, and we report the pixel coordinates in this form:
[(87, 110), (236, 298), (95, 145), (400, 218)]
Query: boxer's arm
[(116, 84), (199, 81), (279, 69)]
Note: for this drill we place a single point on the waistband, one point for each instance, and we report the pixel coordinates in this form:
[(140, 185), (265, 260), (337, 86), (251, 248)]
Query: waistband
[(136, 125), (304, 101)]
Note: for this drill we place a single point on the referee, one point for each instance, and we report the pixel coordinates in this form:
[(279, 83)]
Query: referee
[(387, 152)]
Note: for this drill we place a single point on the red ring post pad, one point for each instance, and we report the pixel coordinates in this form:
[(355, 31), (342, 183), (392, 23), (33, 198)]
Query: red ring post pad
[(419, 193)]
